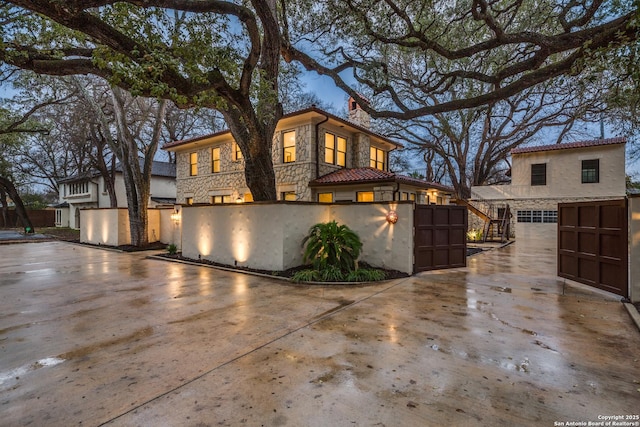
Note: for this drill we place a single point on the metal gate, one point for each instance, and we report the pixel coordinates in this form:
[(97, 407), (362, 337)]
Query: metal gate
[(593, 244), (440, 237)]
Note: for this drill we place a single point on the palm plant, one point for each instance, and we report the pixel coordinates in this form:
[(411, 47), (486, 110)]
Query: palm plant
[(330, 244)]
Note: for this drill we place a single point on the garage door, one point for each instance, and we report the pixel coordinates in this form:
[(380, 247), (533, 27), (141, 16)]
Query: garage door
[(440, 234), (592, 244)]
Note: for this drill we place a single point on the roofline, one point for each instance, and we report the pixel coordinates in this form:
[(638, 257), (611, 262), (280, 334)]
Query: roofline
[(311, 109), (395, 179), (570, 145)]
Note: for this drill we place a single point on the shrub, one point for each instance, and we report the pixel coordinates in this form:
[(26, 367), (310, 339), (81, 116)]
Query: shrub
[(306, 276), (172, 249), (365, 275), (330, 244)]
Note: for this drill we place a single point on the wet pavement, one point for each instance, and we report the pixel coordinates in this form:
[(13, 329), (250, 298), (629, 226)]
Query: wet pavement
[(93, 337)]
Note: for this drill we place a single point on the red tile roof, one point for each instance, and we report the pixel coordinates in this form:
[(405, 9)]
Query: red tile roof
[(372, 175), (565, 146)]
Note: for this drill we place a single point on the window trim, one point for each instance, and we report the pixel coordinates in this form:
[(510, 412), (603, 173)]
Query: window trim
[(374, 158), (324, 193), (284, 147), (193, 163), (215, 161), (358, 193), (538, 174), (590, 174)]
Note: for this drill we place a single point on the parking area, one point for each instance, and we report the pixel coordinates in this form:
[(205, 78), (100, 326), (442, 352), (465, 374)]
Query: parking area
[(95, 337)]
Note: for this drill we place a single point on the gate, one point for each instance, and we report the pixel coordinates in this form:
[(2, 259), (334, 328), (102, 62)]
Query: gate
[(440, 237), (593, 244)]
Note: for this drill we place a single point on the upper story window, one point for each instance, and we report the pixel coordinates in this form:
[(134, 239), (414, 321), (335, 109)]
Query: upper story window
[(590, 171), (220, 199), (289, 146), (79, 188), (193, 164), (377, 158), (215, 160), (188, 200), (335, 149), (539, 174), (237, 153)]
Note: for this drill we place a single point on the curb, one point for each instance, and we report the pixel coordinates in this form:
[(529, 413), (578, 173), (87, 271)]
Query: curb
[(635, 316)]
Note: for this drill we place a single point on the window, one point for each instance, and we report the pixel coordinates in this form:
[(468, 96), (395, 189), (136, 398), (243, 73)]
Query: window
[(78, 188), (248, 197), (289, 146), (590, 171), (220, 199), (329, 148), (215, 160), (364, 196), (412, 197), (193, 164), (539, 174), (325, 197), (188, 200), (377, 158), (289, 196), (237, 153), (335, 149), (546, 217)]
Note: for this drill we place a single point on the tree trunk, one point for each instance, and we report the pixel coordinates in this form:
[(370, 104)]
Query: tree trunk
[(21, 212), (4, 207)]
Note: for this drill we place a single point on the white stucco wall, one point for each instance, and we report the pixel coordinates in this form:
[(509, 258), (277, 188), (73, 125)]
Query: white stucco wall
[(268, 236), (101, 226), (634, 249), (111, 226), (564, 175)]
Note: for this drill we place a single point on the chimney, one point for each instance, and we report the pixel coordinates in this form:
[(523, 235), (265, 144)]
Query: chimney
[(357, 115)]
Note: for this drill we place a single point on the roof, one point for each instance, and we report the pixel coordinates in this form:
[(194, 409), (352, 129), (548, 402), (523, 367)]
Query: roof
[(164, 200), (165, 169), (312, 109), (570, 145), (371, 175)]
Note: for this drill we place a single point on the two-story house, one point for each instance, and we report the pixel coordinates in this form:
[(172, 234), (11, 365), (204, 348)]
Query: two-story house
[(317, 156), (90, 191), (543, 176)]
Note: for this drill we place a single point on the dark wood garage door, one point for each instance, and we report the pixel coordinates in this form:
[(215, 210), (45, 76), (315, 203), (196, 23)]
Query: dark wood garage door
[(440, 237), (592, 244)]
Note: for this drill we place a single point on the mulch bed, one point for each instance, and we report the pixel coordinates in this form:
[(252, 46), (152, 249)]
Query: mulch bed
[(390, 274)]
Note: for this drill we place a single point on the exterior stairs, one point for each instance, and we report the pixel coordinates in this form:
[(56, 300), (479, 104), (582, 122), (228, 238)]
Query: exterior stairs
[(496, 217)]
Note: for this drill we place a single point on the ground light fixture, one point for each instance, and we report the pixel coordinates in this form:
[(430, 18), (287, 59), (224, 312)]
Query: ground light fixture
[(392, 217)]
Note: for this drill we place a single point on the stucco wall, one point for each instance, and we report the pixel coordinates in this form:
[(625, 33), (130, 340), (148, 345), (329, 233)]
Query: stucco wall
[(268, 236), (101, 226), (564, 175), (111, 226), (634, 249)]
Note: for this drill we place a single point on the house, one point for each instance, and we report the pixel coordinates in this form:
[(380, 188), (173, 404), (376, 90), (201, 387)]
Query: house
[(89, 191), (317, 157), (543, 176)]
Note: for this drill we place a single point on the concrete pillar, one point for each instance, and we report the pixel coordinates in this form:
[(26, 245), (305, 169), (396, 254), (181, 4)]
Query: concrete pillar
[(634, 248), (383, 193)]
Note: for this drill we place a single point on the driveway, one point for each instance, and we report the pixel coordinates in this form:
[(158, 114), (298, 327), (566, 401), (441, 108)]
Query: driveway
[(93, 337)]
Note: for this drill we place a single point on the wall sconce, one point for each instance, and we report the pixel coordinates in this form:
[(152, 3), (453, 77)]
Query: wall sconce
[(239, 200), (392, 217), (175, 216)]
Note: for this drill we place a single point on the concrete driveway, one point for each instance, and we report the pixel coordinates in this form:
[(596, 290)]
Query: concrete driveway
[(93, 337)]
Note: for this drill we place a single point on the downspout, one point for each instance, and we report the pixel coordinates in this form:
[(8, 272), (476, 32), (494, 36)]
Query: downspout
[(396, 192), (326, 119)]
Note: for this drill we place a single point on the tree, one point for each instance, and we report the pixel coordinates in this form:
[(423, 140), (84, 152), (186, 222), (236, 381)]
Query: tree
[(212, 54), (474, 144), (505, 47)]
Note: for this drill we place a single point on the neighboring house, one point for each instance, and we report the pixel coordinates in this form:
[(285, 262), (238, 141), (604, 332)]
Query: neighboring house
[(89, 191), (317, 156), (543, 176)]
